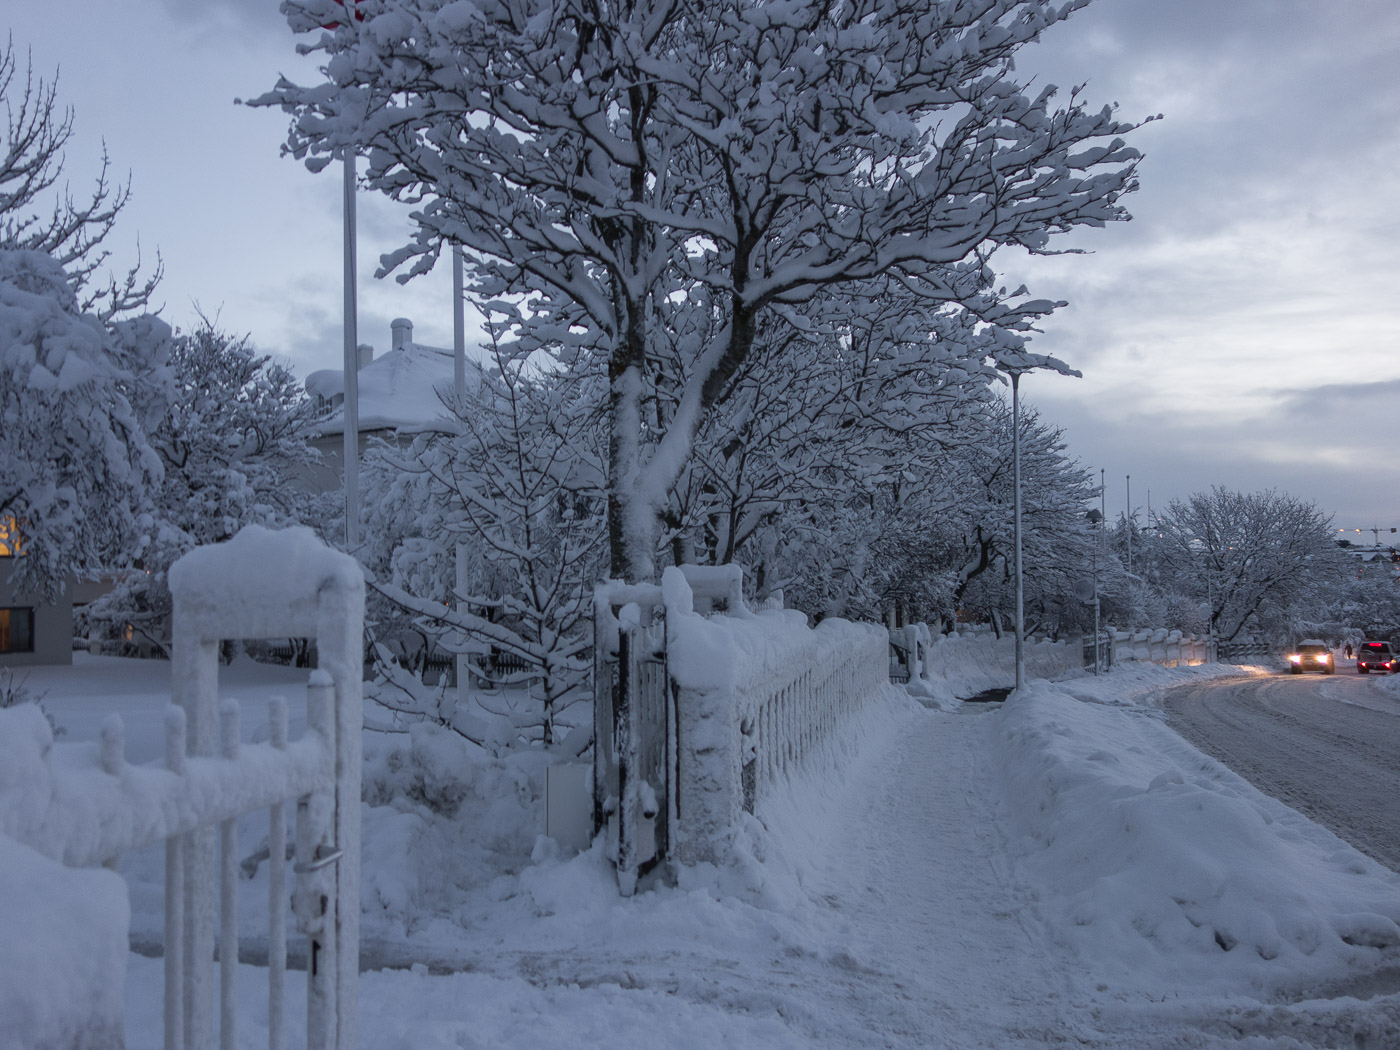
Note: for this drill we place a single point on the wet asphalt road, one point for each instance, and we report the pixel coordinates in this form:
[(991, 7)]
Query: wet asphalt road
[(1329, 746)]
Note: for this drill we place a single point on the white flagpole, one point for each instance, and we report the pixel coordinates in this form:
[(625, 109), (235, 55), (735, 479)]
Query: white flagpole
[(459, 376), (352, 362)]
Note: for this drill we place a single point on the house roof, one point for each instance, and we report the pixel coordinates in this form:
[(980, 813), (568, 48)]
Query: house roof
[(405, 389)]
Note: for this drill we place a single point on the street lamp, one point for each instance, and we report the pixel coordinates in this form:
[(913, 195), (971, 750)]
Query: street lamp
[(1014, 370), (1014, 363), (1095, 522)]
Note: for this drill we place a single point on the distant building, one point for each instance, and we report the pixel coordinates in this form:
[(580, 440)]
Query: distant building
[(402, 392), (33, 630), (1372, 556)]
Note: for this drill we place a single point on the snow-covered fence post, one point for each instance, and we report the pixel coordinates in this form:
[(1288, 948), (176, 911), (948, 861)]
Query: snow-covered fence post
[(633, 723), (1120, 645), (1157, 646), (266, 584)]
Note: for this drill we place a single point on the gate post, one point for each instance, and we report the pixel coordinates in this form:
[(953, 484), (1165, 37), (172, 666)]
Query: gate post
[(633, 724), (276, 584)]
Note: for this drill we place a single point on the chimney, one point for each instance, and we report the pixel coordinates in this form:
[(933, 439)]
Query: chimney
[(402, 329), (364, 354)]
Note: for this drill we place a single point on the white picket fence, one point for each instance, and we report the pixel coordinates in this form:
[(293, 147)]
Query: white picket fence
[(92, 806), (756, 696)]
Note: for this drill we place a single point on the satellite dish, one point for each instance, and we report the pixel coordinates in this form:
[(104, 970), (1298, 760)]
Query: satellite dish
[(1084, 590)]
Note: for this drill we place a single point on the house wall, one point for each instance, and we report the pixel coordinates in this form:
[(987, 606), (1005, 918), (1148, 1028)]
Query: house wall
[(53, 625)]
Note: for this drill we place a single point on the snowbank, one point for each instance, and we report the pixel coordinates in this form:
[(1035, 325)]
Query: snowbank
[(1165, 865), (63, 952)]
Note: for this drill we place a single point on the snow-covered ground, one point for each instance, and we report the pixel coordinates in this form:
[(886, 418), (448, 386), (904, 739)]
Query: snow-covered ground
[(1059, 870)]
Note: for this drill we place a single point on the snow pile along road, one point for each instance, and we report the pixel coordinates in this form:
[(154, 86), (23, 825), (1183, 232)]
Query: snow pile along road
[(1170, 869)]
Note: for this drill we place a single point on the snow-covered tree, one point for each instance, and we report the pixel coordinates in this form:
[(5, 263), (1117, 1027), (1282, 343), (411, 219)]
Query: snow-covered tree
[(520, 486), (234, 452), (36, 214), (78, 398), (1057, 541), (1363, 602), (870, 389), (660, 181), (1249, 556)]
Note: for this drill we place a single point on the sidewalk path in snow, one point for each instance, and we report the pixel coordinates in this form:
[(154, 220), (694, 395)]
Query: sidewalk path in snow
[(942, 949)]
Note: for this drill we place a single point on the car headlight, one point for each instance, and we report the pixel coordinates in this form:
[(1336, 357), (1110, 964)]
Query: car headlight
[(1294, 658), (1324, 657)]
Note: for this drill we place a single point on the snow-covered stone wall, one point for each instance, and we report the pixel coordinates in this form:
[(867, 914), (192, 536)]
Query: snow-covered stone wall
[(997, 656), (756, 693), (926, 654)]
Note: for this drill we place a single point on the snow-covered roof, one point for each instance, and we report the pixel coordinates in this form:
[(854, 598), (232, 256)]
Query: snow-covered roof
[(403, 389)]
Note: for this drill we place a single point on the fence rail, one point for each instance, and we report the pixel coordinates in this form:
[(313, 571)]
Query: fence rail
[(89, 807)]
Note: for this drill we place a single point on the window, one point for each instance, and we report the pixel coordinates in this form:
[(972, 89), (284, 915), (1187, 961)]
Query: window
[(16, 630), (9, 538)]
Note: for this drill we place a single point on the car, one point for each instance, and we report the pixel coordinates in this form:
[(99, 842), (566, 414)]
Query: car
[(1376, 656), (1312, 654)]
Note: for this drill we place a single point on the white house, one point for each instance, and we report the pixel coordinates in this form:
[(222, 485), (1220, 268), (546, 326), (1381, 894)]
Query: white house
[(34, 630), (404, 391)]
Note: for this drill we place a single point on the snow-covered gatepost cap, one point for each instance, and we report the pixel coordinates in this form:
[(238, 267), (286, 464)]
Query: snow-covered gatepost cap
[(273, 581)]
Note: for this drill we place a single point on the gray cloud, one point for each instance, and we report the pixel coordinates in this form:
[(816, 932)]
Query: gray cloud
[(242, 18), (1224, 330)]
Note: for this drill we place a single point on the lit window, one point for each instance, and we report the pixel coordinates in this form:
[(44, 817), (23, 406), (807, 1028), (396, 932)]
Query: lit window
[(16, 630), (9, 538)]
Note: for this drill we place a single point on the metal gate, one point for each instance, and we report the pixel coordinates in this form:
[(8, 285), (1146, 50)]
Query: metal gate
[(635, 751)]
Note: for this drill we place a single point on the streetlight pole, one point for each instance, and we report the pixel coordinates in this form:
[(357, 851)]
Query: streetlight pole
[(459, 381), (1016, 528), (1095, 563), (352, 364)]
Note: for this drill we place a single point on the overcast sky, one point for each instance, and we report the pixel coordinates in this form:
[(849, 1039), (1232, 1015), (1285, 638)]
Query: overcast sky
[(1240, 331)]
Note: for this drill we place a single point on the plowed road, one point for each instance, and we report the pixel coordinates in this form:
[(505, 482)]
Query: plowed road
[(1327, 745)]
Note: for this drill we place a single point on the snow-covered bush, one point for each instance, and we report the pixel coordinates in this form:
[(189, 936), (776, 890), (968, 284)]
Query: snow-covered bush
[(78, 399), (233, 451), (443, 817)]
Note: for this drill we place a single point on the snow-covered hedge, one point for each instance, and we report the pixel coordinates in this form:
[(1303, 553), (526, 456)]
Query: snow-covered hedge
[(757, 693)]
